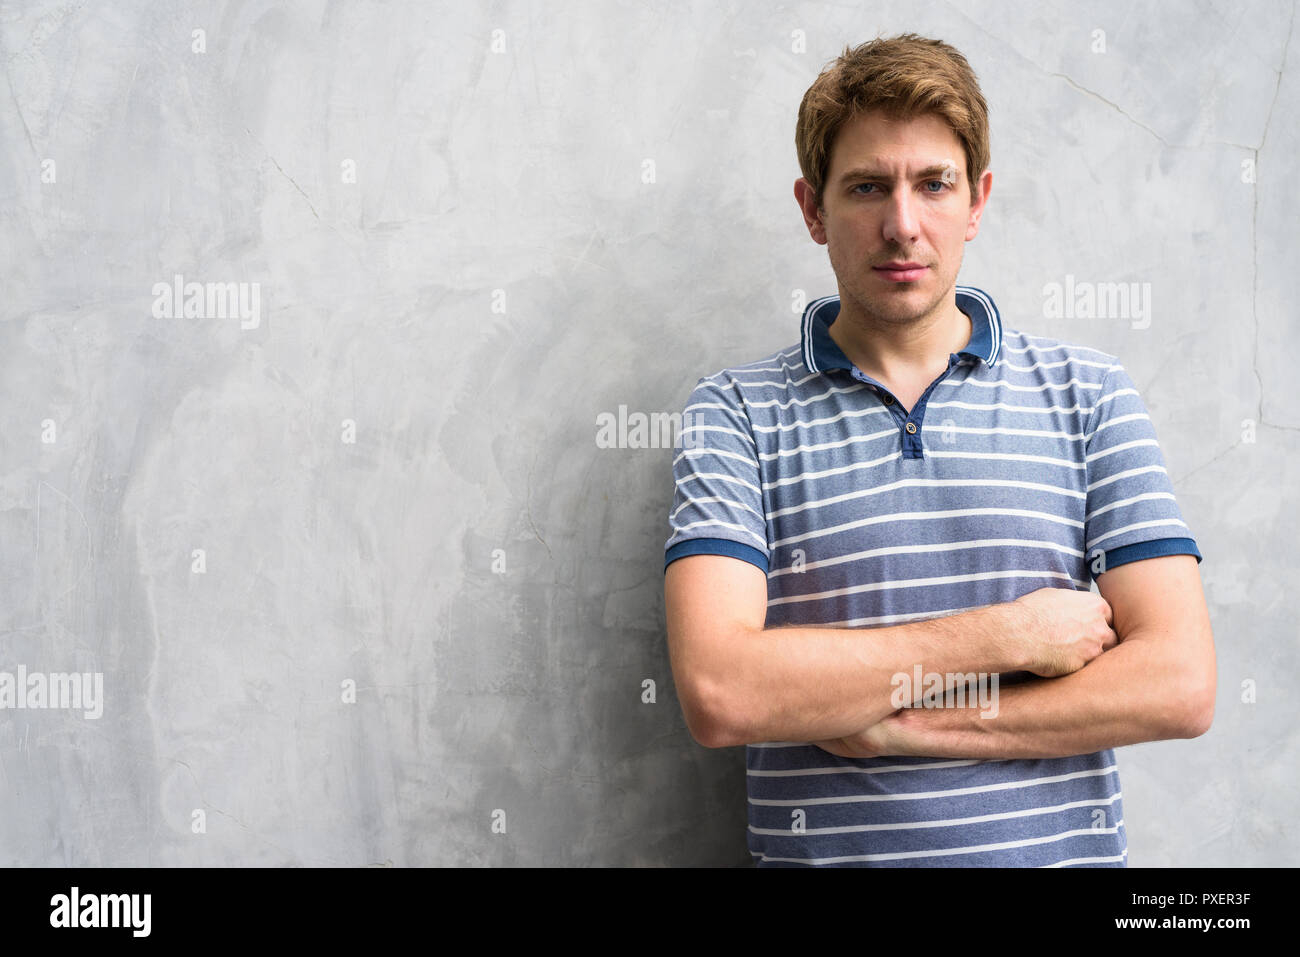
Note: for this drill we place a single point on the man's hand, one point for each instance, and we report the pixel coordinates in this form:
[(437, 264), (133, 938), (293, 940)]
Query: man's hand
[(1070, 628), (873, 742)]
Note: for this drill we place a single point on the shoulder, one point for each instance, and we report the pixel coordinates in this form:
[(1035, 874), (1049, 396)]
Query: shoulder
[(1045, 359), (761, 379), (1069, 376)]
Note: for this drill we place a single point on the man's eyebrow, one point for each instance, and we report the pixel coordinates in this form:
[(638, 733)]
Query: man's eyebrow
[(935, 171)]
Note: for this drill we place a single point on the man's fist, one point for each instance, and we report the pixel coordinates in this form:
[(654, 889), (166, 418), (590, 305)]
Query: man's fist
[(1066, 629)]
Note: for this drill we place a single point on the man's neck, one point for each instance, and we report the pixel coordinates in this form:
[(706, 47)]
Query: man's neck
[(901, 351)]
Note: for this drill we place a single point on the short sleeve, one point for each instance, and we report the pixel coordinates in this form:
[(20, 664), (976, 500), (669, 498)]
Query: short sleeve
[(1131, 511), (718, 498)]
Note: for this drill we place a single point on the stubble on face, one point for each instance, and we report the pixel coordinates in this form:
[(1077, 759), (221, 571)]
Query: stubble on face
[(900, 306)]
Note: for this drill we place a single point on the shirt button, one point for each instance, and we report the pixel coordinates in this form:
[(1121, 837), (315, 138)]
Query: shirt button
[(889, 399), (911, 428)]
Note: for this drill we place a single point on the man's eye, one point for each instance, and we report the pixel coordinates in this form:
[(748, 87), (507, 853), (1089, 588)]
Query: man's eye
[(942, 185), (860, 185)]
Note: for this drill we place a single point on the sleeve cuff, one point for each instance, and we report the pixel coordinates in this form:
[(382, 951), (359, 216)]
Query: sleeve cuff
[(716, 546), (1153, 549)]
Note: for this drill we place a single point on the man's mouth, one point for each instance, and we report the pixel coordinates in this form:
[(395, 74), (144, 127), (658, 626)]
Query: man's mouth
[(900, 271)]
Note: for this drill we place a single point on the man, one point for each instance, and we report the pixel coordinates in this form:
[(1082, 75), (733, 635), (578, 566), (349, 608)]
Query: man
[(911, 503)]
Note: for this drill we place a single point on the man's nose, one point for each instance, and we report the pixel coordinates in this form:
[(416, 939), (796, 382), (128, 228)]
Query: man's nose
[(901, 224)]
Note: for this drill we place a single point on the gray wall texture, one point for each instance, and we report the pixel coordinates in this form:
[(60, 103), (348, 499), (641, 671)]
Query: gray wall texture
[(362, 586)]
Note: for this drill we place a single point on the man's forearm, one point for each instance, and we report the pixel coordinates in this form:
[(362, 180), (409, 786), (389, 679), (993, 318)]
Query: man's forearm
[(810, 683), (1132, 693)]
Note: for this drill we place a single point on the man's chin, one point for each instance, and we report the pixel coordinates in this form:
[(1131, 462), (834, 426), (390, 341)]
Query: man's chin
[(900, 305)]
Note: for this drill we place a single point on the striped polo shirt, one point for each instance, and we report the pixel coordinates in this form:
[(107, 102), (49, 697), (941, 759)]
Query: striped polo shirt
[(1028, 463)]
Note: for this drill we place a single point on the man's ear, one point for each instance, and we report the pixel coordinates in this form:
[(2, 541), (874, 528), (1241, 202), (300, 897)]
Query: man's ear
[(982, 190), (806, 197)]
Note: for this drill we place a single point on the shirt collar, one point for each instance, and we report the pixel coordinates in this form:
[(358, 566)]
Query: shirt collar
[(821, 353)]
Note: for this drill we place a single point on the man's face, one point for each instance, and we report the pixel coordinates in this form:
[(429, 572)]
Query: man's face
[(896, 194)]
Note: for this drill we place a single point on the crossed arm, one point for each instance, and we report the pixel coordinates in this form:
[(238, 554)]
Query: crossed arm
[(1157, 683)]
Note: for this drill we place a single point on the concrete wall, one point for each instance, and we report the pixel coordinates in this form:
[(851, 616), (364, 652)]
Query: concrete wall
[(352, 566)]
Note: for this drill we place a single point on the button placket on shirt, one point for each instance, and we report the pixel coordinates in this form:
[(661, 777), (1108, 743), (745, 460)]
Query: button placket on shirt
[(912, 447), (893, 405), (888, 401)]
